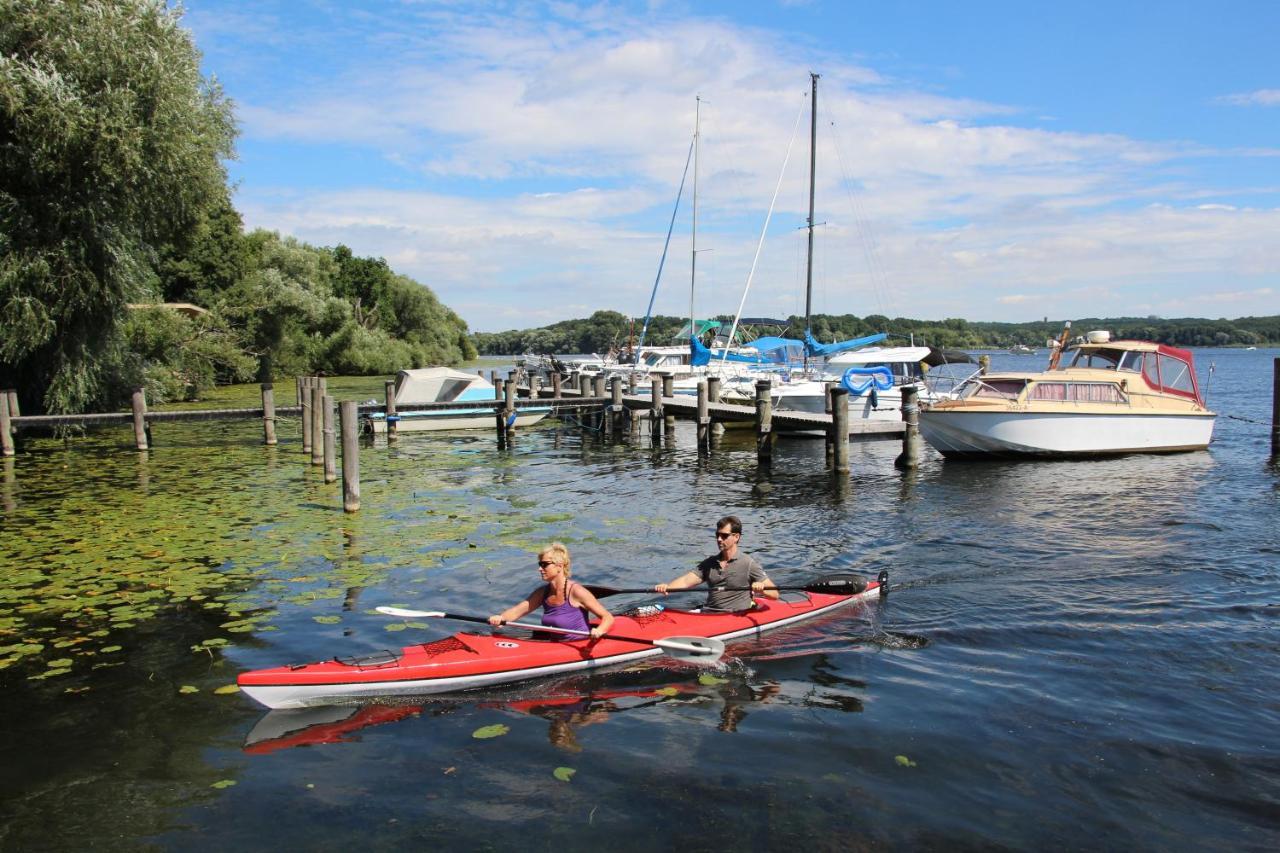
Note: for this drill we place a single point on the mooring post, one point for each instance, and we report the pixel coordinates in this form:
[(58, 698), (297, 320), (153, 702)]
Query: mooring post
[(330, 452), (631, 383), (535, 387), (349, 415), (304, 400), (555, 385), (713, 389), (12, 396), (509, 405), (268, 413), (910, 456), (6, 434), (764, 420), (497, 386), (839, 435), (390, 416), (832, 435), (597, 390), (984, 364), (317, 423), (668, 390), (704, 416), (139, 419), (1275, 409), (616, 408), (655, 406)]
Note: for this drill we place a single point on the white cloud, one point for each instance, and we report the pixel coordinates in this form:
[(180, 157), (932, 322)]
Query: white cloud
[(1258, 98)]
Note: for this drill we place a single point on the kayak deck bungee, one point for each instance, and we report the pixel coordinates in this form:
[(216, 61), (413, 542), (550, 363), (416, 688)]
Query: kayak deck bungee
[(469, 660)]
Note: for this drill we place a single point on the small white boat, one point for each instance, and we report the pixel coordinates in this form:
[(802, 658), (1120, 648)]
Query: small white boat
[(446, 385), (1112, 397)]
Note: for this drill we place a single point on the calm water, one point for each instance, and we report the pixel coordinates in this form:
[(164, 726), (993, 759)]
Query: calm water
[(1081, 655)]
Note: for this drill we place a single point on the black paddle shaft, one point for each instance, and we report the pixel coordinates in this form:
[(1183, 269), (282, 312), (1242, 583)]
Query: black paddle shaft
[(830, 585)]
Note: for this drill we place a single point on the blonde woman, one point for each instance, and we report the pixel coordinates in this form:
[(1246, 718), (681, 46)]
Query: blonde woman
[(565, 603)]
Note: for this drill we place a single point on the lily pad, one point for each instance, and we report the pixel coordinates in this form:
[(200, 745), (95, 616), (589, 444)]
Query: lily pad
[(564, 774), (668, 691), (223, 783), (903, 761), (496, 730), (187, 688), (227, 688), (327, 620), (710, 680)]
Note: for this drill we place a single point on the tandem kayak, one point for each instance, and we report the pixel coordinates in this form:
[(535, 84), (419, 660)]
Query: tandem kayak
[(469, 660)]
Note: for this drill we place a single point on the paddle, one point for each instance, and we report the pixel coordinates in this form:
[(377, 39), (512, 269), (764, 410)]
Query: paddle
[(702, 649), (830, 585)]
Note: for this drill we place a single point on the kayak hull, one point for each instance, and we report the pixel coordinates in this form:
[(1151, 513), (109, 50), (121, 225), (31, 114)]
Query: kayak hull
[(467, 661)]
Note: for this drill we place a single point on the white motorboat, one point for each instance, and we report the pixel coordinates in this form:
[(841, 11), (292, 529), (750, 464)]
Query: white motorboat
[(1111, 397), (446, 385)]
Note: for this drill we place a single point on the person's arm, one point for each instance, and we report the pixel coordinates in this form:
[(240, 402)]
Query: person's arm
[(588, 600), (760, 583), (685, 581), (515, 611)]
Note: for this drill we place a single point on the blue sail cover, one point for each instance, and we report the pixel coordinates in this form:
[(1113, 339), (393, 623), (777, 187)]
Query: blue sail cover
[(815, 348), (770, 352)]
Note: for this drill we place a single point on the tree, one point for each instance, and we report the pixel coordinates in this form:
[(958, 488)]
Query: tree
[(111, 144)]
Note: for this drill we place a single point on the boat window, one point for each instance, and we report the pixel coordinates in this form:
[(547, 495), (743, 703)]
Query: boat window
[(1098, 359), (1096, 392), (1175, 375), (1049, 391)]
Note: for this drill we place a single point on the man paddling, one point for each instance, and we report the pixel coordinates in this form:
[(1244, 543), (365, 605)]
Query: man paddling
[(731, 576)]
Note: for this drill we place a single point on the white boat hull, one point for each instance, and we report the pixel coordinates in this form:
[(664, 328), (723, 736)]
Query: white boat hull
[(440, 421), (958, 433)]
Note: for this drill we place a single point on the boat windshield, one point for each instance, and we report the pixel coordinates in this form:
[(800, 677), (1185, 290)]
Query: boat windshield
[(1003, 389), (1099, 359)]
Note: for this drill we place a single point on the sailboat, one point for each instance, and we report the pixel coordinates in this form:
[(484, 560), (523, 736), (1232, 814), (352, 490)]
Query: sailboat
[(874, 376)]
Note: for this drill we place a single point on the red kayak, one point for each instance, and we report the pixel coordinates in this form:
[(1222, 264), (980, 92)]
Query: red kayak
[(468, 660)]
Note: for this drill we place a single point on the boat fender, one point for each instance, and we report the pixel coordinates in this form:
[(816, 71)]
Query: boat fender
[(511, 420), (876, 377), (391, 419), (875, 398)]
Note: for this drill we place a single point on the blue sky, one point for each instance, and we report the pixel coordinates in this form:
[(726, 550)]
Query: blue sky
[(985, 160)]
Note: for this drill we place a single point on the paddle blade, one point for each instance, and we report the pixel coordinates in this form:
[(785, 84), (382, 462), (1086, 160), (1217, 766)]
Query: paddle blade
[(838, 585), (701, 650), (410, 614)]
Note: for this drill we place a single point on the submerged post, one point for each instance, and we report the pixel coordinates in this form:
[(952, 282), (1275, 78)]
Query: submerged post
[(139, 419), (268, 413), (838, 437), (704, 417), (349, 415), (910, 456), (764, 420), (389, 389), (6, 434), (330, 452)]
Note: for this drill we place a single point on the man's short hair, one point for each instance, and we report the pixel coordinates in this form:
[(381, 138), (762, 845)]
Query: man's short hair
[(735, 524)]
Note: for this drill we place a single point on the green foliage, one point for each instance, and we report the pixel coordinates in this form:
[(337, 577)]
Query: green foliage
[(176, 357), (111, 143), (606, 329)]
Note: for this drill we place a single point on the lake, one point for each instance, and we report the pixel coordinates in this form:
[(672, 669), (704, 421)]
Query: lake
[(1077, 654)]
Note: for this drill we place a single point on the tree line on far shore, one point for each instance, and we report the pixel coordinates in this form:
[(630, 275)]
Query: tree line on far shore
[(114, 200), (609, 330)]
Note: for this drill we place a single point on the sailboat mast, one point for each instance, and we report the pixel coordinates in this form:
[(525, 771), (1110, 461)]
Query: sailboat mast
[(693, 261), (813, 166)]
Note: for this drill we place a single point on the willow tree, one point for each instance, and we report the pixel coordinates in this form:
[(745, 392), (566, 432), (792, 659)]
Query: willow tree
[(111, 143)]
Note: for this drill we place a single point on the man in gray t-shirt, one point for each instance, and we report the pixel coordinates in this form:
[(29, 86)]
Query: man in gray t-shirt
[(731, 576)]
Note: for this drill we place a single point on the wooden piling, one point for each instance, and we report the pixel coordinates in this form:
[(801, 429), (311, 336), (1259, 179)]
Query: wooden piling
[(832, 435), (1275, 410), (389, 389), (616, 408), (669, 390), (910, 456), (535, 387), (304, 401), (555, 385), (984, 364), (330, 453), (268, 414), (6, 429), (139, 419), (509, 404), (764, 420), (713, 389), (655, 407), (12, 396), (838, 437), (317, 423), (349, 416), (704, 416), (497, 386)]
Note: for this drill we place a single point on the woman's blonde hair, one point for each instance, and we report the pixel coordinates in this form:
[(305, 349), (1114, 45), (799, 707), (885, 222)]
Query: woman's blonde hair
[(558, 552)]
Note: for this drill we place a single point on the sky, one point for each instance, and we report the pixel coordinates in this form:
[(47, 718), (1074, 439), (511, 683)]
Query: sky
[(984, 160)]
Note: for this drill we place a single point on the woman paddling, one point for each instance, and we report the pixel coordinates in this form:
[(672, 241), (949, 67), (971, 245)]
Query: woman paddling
[(564, 604)]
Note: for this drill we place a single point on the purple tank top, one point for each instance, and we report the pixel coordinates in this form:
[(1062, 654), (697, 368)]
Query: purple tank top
[(567, 615)]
